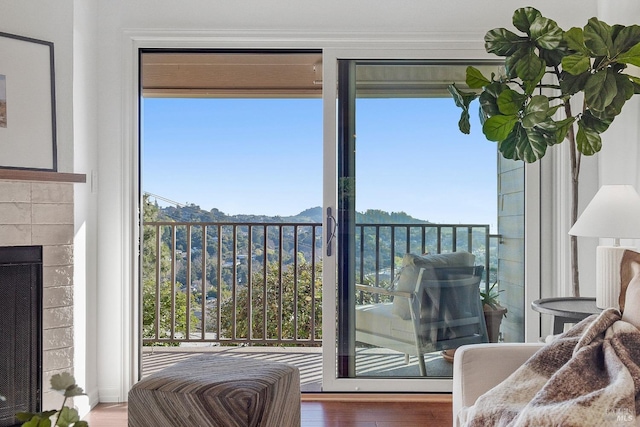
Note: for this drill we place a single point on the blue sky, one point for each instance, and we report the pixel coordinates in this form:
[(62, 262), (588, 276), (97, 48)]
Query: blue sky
[(264, 156)]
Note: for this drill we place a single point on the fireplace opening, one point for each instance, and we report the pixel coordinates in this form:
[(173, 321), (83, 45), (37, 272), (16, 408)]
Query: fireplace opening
[(21, 331)]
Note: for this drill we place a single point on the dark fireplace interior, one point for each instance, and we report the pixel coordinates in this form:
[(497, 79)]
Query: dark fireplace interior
[(21, 336)]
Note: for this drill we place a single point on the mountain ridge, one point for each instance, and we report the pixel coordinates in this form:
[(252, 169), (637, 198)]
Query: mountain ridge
[(193, 213)]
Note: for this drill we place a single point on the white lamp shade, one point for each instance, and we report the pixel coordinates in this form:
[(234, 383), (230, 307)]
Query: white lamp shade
[(614, 212)]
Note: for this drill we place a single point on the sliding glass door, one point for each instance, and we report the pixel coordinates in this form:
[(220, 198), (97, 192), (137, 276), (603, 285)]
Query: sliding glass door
[(408, 184)]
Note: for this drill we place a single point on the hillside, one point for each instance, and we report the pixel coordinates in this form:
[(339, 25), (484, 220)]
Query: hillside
[(193, 213), (377, 247)]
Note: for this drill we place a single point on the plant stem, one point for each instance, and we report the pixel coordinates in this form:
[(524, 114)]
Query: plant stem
[(575, 173), (60, 411)]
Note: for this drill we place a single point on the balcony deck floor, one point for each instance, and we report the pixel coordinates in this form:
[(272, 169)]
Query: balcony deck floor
[(371, 362)]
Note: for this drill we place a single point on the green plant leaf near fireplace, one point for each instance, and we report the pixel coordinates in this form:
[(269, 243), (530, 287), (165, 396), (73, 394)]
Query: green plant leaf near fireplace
[(64, 383), (544, 68)]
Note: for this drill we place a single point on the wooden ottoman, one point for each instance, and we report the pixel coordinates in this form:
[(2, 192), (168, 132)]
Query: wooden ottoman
[(211, 390)]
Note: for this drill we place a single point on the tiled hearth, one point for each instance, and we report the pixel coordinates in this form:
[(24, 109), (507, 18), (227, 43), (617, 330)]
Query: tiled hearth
[(41, 213)]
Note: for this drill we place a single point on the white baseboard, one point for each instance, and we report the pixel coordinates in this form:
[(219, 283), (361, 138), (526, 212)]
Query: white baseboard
[(110, 395)]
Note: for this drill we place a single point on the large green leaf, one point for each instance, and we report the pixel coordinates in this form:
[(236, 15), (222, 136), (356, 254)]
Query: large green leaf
[(529, 66), (464, 123), (570, 84), (636, 84), (488, 106), (502, 42), (535, 147), (545, 33), (511, 61), (37, 421), (489, 99), (508, 147), (576, 64), (60, 382), (600, 89), (524, 17), (624, 92), (496, 88), (523, 145), (462, 100), (549, 131), (510, 102), (475, 79), (615, 30), (625, 85), (67, 417), (498, 127), (597, 38), (531, 85), (553, 57), (626, 38), (26, 416), (632, 56), (590, 121), (575, 40), (563, 129), (66, 383), (553, 109), (535, 111), (549, 127), (588, 141)]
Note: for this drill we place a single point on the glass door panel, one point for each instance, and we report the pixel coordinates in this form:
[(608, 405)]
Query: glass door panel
[(409, 184)]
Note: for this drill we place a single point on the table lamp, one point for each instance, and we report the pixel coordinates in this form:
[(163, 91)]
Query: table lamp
[(614, 213)]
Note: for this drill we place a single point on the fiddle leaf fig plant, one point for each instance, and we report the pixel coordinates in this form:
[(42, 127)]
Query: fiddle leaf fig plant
[(527, 107)]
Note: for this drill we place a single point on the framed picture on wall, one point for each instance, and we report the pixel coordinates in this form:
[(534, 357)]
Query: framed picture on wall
[(27, 104)]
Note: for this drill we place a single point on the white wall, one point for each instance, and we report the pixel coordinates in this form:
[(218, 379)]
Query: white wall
[(71, 26), (85, 122), (53, 22), (76, 143), (620, 155), (218, 23)]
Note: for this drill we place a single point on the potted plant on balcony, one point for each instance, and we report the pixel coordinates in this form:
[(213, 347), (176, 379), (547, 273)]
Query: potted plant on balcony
[(544, 68), (493, 311)]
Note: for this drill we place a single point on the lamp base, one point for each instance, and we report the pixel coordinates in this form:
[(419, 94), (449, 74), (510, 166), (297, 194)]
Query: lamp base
[(608, 260)]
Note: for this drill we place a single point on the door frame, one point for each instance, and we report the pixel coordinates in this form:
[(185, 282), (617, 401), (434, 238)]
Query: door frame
[(334, 45)]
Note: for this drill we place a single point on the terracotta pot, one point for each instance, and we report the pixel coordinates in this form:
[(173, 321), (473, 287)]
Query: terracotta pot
[(493, 319), (448, 354)]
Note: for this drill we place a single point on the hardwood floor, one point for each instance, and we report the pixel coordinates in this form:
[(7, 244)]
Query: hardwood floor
[(332, 410)]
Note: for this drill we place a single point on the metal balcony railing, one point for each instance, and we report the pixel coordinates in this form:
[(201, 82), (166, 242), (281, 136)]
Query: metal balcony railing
[(260, 283)]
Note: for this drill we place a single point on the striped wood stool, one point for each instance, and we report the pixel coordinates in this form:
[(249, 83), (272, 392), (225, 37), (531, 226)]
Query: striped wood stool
[(211, 390)]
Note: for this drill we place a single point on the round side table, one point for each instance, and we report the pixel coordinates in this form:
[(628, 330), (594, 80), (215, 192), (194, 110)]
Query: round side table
[(566, 310)]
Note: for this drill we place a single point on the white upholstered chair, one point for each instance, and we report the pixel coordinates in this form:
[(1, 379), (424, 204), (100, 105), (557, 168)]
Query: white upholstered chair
[(478, 368), (436, 306)]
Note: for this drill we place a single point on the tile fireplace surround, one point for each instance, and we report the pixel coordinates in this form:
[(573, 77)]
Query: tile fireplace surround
[(41, 213)]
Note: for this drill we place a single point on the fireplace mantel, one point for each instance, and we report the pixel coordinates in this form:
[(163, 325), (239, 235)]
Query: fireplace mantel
[(34, 175)]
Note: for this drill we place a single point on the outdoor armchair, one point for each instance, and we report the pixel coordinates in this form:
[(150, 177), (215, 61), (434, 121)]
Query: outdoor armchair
[(440, 310)]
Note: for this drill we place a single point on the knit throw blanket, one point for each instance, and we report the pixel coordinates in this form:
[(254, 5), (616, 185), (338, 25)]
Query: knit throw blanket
[(588, 376)]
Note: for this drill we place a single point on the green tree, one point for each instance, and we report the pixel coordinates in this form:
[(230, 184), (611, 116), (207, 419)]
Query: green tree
[(281, 306), (172, 308)]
